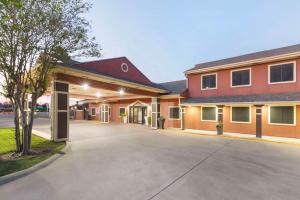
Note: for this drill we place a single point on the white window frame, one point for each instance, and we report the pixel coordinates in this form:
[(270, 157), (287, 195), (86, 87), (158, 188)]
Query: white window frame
[(202, 75), (203, 120), (282, 82), (120, 110), (281, 105), (242, 69), (92, 112), (170, 112), (250, 114)]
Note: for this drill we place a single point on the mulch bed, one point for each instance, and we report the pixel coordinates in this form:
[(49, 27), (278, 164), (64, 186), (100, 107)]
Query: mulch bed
[(19, 156)]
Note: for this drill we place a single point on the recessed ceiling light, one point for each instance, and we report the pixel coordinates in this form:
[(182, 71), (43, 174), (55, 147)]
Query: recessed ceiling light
[(98, 94), (85, 86), (121, 92)]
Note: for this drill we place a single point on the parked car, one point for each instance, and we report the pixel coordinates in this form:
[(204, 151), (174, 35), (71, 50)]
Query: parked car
[(6, 108), (42, 108)]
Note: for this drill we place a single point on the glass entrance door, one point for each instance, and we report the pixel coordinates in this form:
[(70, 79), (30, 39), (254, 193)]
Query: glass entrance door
[(104, 114), (137, 114)]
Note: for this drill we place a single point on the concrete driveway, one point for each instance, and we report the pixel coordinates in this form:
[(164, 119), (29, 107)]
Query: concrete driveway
[(131, 162)]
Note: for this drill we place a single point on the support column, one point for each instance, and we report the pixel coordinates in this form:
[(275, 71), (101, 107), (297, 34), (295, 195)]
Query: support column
[(182, 112), (220, 120), (60, 111), (155, 112), (258, 120)]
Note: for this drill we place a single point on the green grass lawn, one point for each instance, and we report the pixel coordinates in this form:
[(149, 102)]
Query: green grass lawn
[(7, 145)]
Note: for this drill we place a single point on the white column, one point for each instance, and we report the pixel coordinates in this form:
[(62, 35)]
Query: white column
[(155, 112)]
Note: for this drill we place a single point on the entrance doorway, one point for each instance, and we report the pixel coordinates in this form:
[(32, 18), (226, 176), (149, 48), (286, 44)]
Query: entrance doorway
[(104, 113), (137, 114)]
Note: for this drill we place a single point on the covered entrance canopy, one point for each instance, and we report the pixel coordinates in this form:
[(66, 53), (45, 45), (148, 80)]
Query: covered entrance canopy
[(102, 82)]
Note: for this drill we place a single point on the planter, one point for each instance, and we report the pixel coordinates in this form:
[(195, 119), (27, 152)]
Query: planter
[(146, 121), (219, 129), (161, 123), (149, 121), (124, 119)]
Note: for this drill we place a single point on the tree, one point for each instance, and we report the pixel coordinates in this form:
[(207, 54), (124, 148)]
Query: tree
[(34, 36)]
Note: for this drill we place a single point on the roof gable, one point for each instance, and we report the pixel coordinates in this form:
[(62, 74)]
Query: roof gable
[(120, 68)]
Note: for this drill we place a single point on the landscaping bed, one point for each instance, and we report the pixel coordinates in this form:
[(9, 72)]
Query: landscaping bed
[(11, 162)]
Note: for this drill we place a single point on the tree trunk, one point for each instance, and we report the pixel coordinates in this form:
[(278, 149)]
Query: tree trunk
[(31, 118), (23, 112), (25, 149), (17, 129)]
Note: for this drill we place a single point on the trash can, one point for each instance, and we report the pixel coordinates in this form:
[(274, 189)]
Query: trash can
[(161, 122)]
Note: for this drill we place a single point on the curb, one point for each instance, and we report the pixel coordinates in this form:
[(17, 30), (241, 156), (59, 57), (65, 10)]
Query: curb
[(16, 175)]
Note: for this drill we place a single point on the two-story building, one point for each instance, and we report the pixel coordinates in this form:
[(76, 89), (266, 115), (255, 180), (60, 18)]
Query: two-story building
[(256, 94)]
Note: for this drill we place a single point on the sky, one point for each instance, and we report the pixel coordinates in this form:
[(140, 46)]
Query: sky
[(163, 38)]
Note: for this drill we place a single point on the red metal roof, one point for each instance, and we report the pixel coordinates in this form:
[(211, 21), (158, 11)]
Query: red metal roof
[(112, 67)]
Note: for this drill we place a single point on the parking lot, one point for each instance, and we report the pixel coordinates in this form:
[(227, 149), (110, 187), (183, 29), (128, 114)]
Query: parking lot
[(117, 161)]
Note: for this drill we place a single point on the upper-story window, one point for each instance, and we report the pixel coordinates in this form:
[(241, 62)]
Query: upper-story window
[(241, 77), (209, 81), (282, 73)]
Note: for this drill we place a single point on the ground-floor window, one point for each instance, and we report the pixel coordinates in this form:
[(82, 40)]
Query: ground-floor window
[(209, 113), (93, 111), (174, 113), (241, 114), (282, 115), (122, 112)]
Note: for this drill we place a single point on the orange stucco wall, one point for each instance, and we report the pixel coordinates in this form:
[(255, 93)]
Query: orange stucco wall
[(259, 74), (233, 127), (193, 121), (164, 111), (281, 130)]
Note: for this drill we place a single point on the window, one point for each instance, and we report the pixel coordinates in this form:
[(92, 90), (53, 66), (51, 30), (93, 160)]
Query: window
[(124, 67), (282, 115), (122, 111), (240, 78), (209, 81), (174, 113), (282, 73), (93, 111), (240, 114), (209, 114)]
